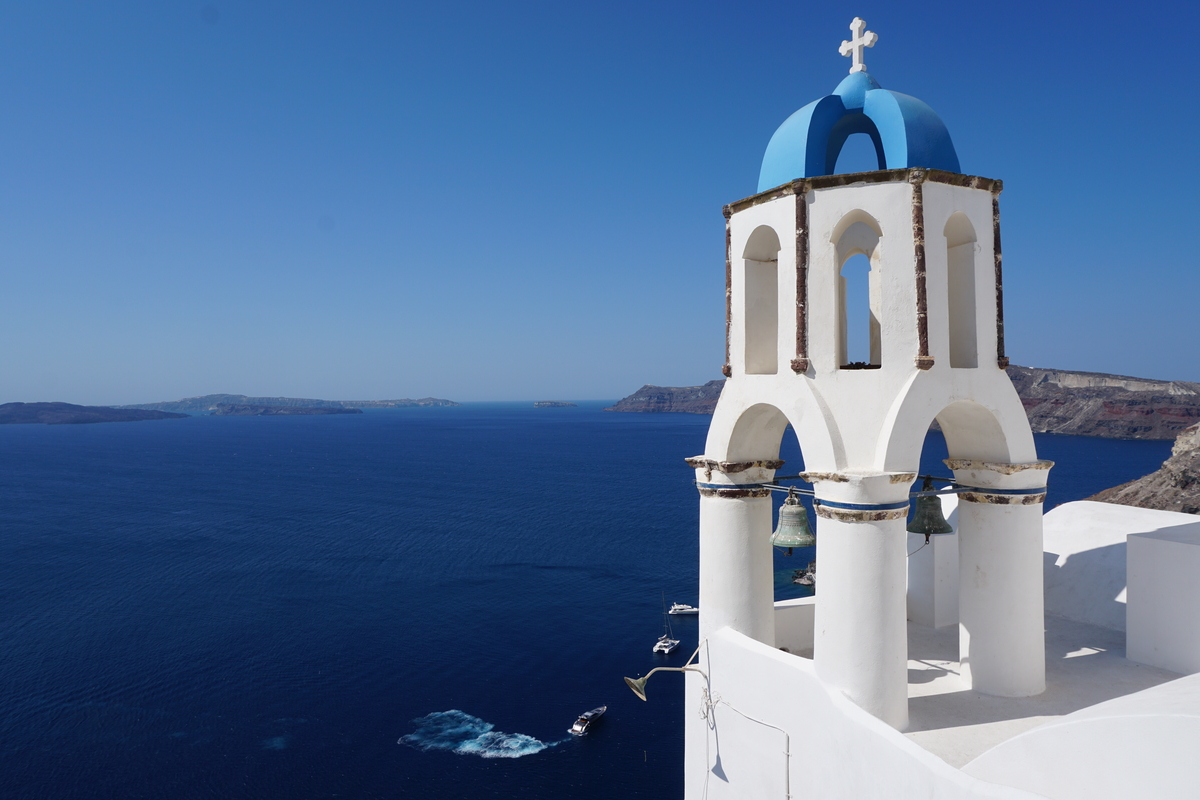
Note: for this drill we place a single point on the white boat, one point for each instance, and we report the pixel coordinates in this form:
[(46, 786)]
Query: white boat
[(667, 642), (580, 728), (682, 608)]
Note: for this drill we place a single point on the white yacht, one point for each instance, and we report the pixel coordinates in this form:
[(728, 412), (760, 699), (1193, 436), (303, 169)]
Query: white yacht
[(581, 726)]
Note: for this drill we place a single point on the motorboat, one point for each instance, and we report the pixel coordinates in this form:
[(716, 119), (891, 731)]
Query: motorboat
[(581, 726), (683, 608)]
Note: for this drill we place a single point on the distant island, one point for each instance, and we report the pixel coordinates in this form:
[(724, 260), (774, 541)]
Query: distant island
[(679, 399), (70, 414), (553, 404), (207, 404), (1056, 401), (246, 410)]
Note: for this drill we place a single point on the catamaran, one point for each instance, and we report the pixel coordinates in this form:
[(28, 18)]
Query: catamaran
[(667, 642)]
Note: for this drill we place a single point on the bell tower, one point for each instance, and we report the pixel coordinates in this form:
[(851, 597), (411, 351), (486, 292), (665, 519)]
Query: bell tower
[(931, 234)]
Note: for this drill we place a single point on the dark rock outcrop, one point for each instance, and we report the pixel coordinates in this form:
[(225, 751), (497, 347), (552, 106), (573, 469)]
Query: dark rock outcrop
[(70, 414), (1057, 401), (686, 399), (250, 410), (1174, 487)]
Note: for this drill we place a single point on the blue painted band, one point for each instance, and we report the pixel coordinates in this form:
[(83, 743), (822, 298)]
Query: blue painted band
[(862, 506), (981, 490), (747, 486)]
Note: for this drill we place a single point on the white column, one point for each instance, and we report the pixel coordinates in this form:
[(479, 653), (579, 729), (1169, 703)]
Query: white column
[(861, 639), (1002, 642), (736, 584), (736, 581)]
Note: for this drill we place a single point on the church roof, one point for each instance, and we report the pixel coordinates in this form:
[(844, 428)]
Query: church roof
[(906, 133)]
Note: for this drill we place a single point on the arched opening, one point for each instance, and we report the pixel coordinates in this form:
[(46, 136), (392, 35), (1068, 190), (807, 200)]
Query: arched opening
[(761, 302), (789, 571), (763, 432), (972, 431), (854, 145), (860, 326), (859, 296), (960, 283), (858, 154)]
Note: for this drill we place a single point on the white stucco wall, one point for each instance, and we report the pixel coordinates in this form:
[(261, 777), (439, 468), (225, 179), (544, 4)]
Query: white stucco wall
[(738, 752), (1163, 616), (1139, 746), (868, 419), (794, 620), (1085, 561)]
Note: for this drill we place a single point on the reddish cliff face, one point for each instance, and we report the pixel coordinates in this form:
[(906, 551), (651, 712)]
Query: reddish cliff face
[(1174, 487), (1111, 406), (1057, 401)]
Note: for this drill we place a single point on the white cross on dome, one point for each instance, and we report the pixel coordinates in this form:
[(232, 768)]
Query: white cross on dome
[(854, 48)]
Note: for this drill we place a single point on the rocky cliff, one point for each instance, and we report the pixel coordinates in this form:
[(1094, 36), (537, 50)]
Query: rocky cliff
[(686, 399), (1112, 406), (1174, 487), (1057, 401)]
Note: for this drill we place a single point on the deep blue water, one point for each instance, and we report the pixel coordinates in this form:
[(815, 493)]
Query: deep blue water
[(362, 606)]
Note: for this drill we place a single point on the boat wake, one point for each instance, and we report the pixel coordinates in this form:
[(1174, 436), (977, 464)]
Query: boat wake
[(466, 735)]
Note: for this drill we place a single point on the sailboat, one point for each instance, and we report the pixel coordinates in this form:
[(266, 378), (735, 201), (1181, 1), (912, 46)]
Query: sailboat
[(666, 643)]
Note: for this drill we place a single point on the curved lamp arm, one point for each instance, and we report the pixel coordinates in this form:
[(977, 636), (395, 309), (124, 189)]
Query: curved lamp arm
[(638, 685)]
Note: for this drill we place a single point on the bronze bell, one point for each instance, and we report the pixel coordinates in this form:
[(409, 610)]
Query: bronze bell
[(793, 530), (928, 518)]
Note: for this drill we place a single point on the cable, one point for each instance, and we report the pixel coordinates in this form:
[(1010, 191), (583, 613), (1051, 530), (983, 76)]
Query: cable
[(919, 549)]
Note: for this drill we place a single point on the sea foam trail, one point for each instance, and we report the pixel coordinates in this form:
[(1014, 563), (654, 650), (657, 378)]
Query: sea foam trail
[(464, 734)]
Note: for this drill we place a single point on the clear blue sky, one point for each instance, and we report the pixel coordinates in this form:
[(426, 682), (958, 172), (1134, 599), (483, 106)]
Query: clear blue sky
[(522, 200)]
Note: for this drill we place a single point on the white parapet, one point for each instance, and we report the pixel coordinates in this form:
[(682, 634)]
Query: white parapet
[(794, 625), (762, 726), (1163, 601)]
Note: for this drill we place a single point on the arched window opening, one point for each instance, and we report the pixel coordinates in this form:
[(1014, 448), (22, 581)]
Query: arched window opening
[(858, 154), (858, 323), (960, 282), (761, 302), (859, 292)]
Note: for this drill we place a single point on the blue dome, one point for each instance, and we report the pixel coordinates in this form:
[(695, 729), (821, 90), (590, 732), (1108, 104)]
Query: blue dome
[(906, 133)]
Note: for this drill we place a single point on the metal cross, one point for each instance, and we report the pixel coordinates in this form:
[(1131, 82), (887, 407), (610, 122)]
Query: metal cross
[(854, 47)]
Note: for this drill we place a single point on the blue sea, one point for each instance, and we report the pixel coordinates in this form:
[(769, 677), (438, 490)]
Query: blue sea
[(403, 603)]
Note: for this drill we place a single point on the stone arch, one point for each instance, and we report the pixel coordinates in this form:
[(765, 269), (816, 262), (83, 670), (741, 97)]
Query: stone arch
[(751, 428), (760, 301), (994, 431), (757, 434), (858, 233), (973, 431), (960, 291)]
